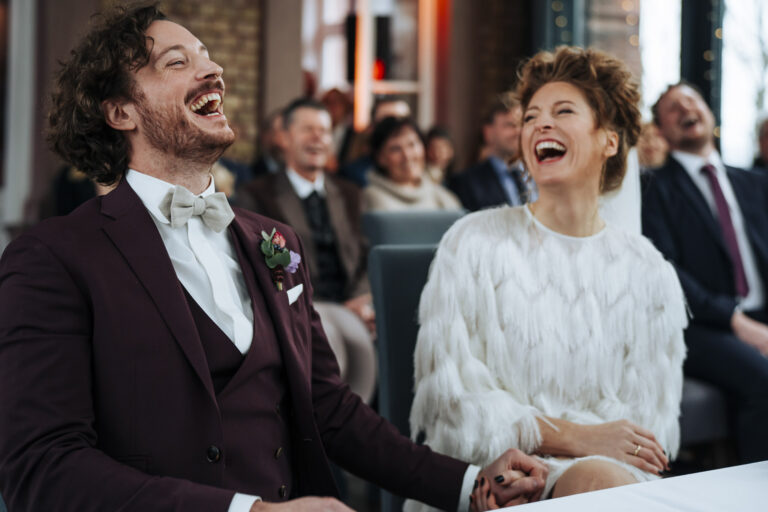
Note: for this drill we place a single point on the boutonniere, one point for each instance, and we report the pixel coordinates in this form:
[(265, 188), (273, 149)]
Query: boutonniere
[(278, 258)]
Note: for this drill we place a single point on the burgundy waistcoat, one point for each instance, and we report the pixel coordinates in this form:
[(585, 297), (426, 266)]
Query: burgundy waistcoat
[(253, 400)]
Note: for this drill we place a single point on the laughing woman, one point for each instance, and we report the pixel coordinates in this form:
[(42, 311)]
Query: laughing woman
[(544, 327)]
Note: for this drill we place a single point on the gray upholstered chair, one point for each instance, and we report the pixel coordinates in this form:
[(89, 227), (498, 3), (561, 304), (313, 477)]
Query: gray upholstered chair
[(408, 227), (703, 413), (397, 274)]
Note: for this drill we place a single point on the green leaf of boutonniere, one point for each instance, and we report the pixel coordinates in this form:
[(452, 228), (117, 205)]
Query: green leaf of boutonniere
[(267, 248)]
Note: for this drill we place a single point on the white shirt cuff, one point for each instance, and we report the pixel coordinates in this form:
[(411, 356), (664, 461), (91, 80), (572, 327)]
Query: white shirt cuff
[(244, 502), (467, 486)]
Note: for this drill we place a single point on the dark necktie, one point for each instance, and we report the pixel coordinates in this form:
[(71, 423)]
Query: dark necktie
[(729, 233)]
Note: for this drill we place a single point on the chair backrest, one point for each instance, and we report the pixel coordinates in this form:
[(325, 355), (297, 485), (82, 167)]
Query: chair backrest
[(397, 274), (408, 227)]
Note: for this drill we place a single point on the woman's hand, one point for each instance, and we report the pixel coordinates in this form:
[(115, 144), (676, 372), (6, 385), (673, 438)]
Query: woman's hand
[(624, 441)]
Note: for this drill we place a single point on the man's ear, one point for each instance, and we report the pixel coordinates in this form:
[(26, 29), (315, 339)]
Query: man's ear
[(611, 143), (119, 114)]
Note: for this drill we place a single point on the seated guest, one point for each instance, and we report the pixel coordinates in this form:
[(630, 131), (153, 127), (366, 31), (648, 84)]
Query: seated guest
[(361, 162), (440, 153), (325, 212), (710, 221), (499, 178), (271, 145), (652, 148), (543, 326), (400, 181), (761, 160)]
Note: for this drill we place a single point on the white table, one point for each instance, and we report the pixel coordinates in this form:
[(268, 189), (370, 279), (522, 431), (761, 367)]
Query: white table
[(738, 489)]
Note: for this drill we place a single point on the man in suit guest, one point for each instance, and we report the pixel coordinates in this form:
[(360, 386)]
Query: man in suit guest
[(361, 162), (325, 212), (499, 178), (150, 359), (272, 148), (710, 221)]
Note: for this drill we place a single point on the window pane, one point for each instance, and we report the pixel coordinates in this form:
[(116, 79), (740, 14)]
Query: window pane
[(745, 78), (659, 48), (334, 62)]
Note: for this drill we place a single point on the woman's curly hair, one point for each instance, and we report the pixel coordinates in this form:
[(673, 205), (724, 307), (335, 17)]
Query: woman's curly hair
[(99, 68), (608, 87)]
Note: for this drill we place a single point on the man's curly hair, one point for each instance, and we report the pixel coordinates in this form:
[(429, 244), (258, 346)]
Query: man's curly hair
[(608, 87), (99, 68)]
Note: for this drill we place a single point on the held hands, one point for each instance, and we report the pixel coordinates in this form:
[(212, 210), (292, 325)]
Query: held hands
[(750, 331), (512, 479), (622, 440)]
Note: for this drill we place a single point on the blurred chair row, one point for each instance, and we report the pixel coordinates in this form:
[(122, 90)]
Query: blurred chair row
[(403, 246)]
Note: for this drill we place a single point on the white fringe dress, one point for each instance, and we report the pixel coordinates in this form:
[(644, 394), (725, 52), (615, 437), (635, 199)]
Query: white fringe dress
[(519, 321)]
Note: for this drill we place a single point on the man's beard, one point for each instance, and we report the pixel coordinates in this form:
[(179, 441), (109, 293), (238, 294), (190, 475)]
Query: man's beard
[(168, 129)]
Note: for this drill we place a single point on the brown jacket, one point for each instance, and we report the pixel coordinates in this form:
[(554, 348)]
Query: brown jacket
[(275, 197)]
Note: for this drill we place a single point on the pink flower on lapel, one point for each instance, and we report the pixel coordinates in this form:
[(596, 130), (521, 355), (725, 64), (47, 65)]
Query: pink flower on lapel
[(278, 239), (278, 258)]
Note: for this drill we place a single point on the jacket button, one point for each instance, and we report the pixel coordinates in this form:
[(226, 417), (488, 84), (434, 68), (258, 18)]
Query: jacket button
[(213, 453), (283, 491), (278, 452)]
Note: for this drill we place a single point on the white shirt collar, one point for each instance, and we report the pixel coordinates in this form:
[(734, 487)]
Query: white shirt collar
[(693, 163), (152, 191), (303, 186)]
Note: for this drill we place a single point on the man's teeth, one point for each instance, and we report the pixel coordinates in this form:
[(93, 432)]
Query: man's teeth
[(205, 99)]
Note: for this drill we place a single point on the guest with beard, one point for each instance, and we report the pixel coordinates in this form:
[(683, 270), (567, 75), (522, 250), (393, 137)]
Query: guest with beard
[(159, 351)]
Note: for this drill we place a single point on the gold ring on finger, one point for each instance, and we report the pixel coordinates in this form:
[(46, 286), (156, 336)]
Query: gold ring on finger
[(637, 450)]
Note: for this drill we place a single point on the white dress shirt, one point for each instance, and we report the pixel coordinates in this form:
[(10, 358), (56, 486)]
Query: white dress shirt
[(692, 164), (303, 187), (206, 265)]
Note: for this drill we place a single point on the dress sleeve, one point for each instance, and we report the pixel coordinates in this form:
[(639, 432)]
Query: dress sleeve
[(458, 402), (652, 374)]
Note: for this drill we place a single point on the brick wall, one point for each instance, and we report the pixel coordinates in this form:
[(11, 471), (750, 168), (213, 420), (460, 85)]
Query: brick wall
[(231, 31)]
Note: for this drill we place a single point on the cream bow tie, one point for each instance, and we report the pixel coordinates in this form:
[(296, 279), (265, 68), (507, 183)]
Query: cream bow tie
[(180, 204)]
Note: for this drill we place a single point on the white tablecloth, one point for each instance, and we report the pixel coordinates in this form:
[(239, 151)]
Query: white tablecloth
[(738, 489)]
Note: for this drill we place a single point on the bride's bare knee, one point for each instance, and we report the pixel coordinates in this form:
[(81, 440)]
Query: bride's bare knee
[(591, 475)]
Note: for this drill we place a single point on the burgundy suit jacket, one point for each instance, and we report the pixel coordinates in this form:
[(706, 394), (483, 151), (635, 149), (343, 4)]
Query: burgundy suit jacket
[(106, 401)]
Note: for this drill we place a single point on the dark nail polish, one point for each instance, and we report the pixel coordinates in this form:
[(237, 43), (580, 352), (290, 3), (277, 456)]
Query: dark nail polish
[(482, 481), (476, 484), (488, 495), (499, 479), (471, 498)]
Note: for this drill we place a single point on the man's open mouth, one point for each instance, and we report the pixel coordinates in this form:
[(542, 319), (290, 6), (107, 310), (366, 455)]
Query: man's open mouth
[(207, 104), (548, 150)]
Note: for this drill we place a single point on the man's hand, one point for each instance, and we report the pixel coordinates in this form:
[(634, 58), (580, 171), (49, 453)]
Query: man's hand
[(750, 331), (309, 504), (512, 479), (362, 306)]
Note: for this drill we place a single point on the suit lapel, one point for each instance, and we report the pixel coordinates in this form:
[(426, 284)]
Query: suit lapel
[(276, 301), (293, 212), (136, 237), (697, 202), (345, 238)]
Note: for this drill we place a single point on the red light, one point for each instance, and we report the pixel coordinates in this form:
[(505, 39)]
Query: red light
[(379, 69)]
